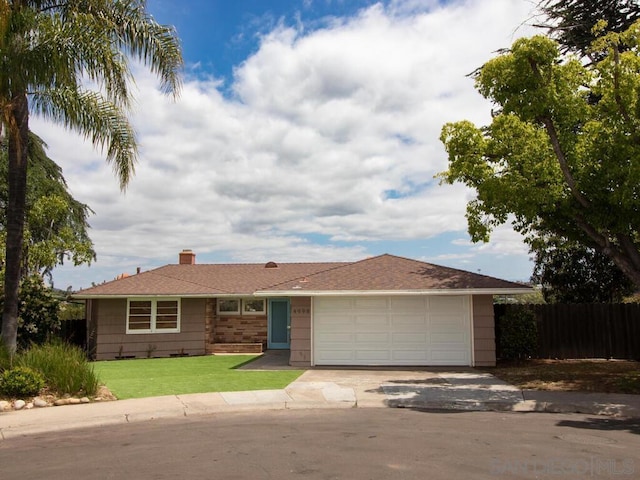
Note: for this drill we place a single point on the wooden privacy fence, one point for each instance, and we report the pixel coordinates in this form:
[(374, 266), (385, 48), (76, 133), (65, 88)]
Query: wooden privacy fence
[(584, 330)]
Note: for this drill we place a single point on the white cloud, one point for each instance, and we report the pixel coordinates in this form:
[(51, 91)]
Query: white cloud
[(332, 132)]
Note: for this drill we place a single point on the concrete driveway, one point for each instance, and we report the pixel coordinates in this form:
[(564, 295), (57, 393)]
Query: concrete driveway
[(462, 388)]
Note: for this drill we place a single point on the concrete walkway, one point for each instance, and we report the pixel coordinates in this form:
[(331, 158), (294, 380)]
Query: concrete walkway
[(426, 388)]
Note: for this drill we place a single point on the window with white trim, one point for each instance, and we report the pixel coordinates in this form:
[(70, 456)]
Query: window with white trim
[(229, 306), (253, 306), (244, 306), (153, 315)]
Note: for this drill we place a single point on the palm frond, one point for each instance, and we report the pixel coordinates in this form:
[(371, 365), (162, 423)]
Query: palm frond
[(97, 119)]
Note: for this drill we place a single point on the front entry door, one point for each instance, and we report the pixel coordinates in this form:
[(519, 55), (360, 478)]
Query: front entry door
[(279, 324)]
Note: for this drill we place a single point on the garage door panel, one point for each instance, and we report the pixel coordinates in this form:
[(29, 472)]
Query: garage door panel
[(334, 320), (369, 337), (336, 337), (333, 304), (372, 320), (447, 304), (409, 338), (409, 357), (378, 357), (409, 330), (408, 321), (373, 303), (335, 357), (415, 303)]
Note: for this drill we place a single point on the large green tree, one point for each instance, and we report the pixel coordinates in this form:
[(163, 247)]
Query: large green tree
[(562, 153), (569, 272), (51, 54), (56, 227)]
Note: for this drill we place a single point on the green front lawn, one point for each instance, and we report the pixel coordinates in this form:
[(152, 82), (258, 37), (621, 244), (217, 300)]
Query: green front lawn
[(173, 376)]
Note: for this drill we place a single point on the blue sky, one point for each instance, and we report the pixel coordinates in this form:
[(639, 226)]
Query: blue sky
[(306, 130), (219, 34)]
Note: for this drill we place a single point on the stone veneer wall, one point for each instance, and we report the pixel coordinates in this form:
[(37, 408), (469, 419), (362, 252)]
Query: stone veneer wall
[(240, 329), (209, 323), (300, 332), (484, 340)]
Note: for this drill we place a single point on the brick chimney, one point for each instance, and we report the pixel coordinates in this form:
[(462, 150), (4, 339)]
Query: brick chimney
[(187, 257)]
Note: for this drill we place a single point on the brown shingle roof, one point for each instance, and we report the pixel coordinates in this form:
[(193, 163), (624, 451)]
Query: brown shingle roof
[(381, 273), (219, 279), (389, 273)]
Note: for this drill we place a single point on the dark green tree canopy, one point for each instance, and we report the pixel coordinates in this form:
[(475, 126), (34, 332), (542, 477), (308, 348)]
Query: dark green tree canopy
[(562, 154), (572, 273), (56, 227), (571, 22)]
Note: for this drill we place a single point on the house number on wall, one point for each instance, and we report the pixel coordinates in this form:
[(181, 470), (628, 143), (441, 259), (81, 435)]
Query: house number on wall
[(301, 311)]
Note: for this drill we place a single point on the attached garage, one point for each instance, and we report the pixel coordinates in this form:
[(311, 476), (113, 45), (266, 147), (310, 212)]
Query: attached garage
[(392, 330)]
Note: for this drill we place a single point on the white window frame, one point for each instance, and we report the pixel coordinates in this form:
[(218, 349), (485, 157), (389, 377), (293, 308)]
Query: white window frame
[(242, 306), (229, 312), (256, 312), (154, 312)]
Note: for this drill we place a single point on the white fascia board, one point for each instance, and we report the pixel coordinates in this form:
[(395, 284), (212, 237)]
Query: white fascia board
[(171, 295), (371, 293)]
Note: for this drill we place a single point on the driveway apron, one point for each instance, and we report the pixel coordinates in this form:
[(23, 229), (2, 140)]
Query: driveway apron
[(434, 388)]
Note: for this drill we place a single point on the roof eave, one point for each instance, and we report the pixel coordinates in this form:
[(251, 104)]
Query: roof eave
[(158, 295), (461, 291)]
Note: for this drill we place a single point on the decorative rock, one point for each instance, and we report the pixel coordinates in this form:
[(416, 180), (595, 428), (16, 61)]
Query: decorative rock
[(85, 400), (74, 401), (38, 402), (4, 405), (61, 401), (29, 405), (19, 404)]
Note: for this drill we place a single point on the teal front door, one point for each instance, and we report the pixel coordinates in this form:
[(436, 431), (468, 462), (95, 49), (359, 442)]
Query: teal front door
[(279, 324)]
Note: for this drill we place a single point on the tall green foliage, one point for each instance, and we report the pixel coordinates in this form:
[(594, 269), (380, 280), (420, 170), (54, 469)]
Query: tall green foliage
[(50, 51), (572, 273), (56, 227), (38, 312), (64, 367), (518, 334), (561, 156)]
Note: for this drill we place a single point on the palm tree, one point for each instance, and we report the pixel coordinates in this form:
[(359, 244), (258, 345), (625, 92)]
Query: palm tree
[(50, 50)]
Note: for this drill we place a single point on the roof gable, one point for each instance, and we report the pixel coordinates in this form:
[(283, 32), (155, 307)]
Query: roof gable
[(383, 273), (392, 273)]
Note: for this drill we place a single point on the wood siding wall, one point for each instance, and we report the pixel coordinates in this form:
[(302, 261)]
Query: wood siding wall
[(484, 340), (112, 341), (300, 332)]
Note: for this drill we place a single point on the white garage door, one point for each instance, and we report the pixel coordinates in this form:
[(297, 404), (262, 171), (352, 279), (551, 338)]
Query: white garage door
[(409, 330)]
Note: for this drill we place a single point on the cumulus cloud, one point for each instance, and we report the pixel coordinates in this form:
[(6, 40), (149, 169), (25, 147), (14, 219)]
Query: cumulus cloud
[(330, 132)]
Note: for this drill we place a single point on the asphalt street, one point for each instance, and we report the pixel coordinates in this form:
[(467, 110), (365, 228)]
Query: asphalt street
[(336, 444)]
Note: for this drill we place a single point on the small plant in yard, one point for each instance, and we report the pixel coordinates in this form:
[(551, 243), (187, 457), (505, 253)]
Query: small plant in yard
[(150, 349), (64, 367), (20, 382)]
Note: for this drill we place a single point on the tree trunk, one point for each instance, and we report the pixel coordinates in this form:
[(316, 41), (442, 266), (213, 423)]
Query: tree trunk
[(18, 133)]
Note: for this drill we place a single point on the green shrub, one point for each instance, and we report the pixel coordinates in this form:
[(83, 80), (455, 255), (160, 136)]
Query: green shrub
[(21, 382), (5, 357), (65, 367), (38, 312), (518, 334)]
